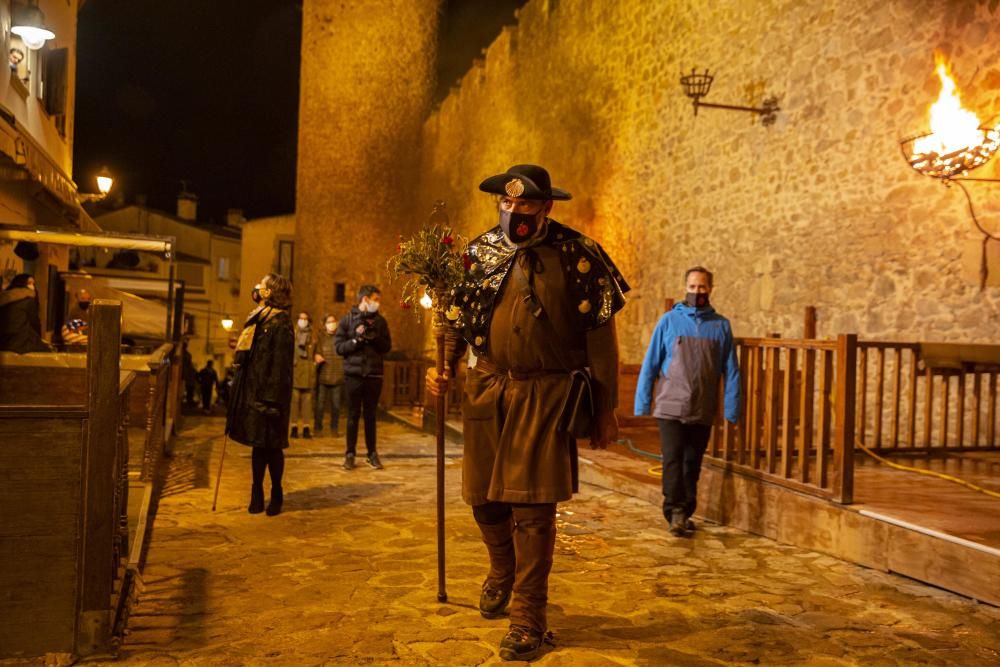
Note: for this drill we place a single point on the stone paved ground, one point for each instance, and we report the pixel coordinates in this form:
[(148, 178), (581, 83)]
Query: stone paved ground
[(347, 576)]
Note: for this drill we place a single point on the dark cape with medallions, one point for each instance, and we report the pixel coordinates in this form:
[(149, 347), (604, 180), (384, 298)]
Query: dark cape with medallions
[(261, 396), (514, 451), (595, 286)]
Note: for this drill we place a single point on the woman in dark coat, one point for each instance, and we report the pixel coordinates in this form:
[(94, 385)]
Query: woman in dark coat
[(20, 328), (262, 389)]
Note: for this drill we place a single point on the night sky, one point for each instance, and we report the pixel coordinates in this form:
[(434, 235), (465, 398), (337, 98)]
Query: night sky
[(206, 92)]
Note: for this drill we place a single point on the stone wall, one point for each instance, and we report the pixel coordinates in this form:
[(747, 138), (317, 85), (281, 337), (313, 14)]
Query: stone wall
[(818, 209), (366, 80)]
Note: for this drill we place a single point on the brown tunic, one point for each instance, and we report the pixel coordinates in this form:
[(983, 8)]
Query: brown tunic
[(513, 452)]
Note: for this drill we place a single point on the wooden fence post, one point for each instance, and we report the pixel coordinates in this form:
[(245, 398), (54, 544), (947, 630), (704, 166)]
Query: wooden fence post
[(809, 325), (843, 445), (100, 452)]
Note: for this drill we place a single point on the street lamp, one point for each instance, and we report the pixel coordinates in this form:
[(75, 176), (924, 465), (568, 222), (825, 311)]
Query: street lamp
[(426, 302), (227, 323), (104, 181), (29, 24)]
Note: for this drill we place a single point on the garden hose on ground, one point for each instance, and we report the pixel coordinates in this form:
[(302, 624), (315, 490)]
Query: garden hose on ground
[(921, 471), (655, 471)]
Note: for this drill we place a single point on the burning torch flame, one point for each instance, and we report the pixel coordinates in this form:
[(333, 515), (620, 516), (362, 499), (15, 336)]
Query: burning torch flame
[(952, 127)]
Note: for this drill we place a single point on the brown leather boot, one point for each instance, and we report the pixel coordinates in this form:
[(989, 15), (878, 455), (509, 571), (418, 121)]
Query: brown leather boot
[(534, 544), (499, 541)]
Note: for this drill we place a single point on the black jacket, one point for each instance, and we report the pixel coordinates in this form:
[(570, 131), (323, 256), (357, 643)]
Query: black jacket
[(20, 328), (261, 396), (362, 339)]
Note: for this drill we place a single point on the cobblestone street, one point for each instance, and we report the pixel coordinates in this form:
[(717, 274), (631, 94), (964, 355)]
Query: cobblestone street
[(347, 575)]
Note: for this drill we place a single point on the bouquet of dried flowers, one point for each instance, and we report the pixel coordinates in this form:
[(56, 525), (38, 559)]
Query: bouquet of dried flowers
[(430, 261)]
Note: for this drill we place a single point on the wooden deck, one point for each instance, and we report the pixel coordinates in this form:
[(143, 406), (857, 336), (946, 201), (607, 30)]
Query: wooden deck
[(922, 527)]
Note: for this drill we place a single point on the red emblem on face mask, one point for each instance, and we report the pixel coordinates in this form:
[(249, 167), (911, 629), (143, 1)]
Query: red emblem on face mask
[(522, 230)]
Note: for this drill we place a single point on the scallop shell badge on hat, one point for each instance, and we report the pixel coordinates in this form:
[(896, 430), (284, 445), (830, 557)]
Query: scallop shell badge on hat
[(514, 187)]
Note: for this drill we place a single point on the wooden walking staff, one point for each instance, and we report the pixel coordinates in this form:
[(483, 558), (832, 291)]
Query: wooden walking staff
[(218, 477), (433, 267), (440, 406)]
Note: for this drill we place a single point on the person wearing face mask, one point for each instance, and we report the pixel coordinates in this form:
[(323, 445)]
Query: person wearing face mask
[(330, 384), (81, 309), (20, 326), (362, 339), (536, 307), (306, 360), (260, 400), (690, 350)]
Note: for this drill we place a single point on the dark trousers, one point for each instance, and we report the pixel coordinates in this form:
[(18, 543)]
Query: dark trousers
[(206, 396), (362, 395), (683, 447), (332, 395)]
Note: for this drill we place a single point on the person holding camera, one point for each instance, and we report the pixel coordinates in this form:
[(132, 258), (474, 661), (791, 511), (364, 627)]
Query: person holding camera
[(362, 339)]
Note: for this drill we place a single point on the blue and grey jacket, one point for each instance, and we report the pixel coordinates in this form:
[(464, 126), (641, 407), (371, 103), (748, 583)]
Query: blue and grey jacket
[(690, 349)]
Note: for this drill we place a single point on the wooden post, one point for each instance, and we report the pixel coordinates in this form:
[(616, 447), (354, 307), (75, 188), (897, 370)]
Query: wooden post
[(98, 520), (823, 446), (809, 325), (843, 448), (788, 415), (806, 414)]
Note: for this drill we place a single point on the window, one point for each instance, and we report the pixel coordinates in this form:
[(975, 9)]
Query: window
[(223, 268), (286, 258), (339, 292)]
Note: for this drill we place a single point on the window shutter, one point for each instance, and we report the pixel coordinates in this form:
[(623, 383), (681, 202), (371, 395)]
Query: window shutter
[(56, 69)]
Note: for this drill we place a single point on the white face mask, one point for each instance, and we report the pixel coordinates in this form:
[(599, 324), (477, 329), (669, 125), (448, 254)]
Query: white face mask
[(331, 327), (303, 324), (368, 306), (373, 306)]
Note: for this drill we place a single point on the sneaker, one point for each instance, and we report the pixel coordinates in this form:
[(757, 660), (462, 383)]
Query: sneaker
[(521, 643), (305, 433), (689, 525), (295, 432), (373, 461), (349, 462), (493, 602)]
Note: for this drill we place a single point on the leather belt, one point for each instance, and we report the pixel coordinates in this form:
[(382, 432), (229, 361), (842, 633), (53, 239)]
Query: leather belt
[(517, 374)]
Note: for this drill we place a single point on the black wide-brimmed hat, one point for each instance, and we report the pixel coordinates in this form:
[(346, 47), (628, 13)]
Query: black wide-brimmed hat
[(524, 181)]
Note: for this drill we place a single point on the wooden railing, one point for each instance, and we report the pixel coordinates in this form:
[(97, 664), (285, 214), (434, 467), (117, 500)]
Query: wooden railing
[(404, 385), (798, 421), (64, 445), (927, 397)]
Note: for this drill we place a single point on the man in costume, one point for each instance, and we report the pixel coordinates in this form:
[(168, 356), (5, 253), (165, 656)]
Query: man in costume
[(537, 302)]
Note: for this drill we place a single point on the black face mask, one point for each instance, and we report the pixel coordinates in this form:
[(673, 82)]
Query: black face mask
[(696, 299), (84, 305), (255, 295), (520, 227)]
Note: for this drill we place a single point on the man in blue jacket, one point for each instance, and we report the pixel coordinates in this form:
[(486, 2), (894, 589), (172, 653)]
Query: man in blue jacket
[(691, 348)]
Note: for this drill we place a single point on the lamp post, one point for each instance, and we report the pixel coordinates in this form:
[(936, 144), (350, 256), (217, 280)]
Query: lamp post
[(105, 181), (227, 322)]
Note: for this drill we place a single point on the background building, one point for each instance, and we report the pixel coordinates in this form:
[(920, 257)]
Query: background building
[(36, 140), (207, 261), (268, 246)]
